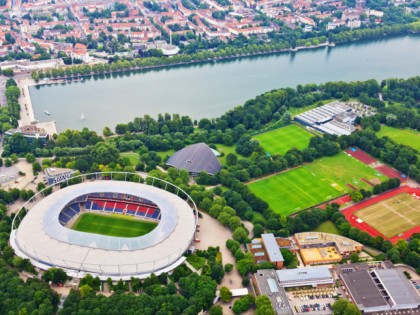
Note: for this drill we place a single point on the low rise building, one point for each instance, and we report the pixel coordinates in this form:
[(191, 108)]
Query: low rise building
[(324, 248), (272, 249), (30, 133), (307, 276), (55, 175), (266, 283), (378, 288)]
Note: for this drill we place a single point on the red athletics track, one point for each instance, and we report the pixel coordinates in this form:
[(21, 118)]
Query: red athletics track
[(362, 156), (390, 172), (349, 213), (365, 158)]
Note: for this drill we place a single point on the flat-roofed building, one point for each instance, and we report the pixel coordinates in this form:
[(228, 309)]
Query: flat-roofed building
[(266, 283), (30, 133), (378, 288), (322, 248), (55, 175), (308, 276)]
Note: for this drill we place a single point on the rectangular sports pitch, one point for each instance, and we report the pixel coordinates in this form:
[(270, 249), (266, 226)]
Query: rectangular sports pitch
[(392, 216), (314, 183), (281, 140), (112, 225)]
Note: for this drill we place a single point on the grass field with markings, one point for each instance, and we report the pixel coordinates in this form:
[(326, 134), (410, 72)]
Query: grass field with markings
[(112, 225), (314, 183), (281, 140), (407, 137), (392, 216)]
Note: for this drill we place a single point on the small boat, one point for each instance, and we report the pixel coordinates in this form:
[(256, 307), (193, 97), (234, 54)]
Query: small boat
[(82, 117), (47, 112)]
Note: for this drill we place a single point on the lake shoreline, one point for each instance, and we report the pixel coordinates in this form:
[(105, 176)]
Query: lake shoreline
[(146, 90)]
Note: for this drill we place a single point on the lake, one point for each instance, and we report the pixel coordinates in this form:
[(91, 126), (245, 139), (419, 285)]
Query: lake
[(210, 89)]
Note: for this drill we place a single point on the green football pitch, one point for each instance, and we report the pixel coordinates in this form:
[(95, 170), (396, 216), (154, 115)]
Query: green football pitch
[(281, 140), (407, 137), (314, 183), (112, 225)]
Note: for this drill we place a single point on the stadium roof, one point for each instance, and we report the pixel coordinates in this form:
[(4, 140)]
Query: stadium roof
[(304, 274), (46, 242), (195, 158), (272, 248)]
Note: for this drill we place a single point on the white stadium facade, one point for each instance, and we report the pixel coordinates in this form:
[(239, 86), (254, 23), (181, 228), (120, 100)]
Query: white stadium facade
[(43, 238)]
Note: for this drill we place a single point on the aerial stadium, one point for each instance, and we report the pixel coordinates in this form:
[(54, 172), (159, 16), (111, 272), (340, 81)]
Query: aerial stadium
[(73, 229)]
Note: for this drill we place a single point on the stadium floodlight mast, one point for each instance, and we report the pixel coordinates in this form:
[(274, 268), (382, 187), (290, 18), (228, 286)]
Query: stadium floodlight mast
[(47, 243)]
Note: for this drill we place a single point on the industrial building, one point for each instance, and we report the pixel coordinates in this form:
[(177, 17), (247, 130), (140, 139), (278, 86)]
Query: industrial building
[(334, 118)]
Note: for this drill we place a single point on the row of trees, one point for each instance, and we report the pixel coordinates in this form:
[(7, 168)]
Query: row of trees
[(359, 195), (159, 295)]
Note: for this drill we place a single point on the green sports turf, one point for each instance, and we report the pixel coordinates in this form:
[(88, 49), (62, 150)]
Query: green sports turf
[(407, 137), (314, 183), (281, 140), (112, 225)]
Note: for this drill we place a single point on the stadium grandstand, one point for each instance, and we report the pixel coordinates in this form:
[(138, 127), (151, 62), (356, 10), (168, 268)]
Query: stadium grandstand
[(45, 236)]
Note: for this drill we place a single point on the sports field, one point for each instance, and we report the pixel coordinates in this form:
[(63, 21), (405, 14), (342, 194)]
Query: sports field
[(281, 140), (392, 216), (407, 137), (112, 225), (314, 183)]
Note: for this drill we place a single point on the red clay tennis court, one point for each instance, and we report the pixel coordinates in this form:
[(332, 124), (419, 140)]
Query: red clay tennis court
[(354, 220)]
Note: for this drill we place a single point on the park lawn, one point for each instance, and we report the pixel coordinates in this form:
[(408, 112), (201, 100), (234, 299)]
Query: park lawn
[(164, 154), (221, 148), (327, 227), (196, 261), (281, 140), (407, 137), (112, 225), (134, 157), (312, 184)]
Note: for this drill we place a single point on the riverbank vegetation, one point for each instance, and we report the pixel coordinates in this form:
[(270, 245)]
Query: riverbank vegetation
[(240, 47)]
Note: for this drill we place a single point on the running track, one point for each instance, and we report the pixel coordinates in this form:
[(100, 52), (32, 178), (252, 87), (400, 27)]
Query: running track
[(349, 213), (365, 158)]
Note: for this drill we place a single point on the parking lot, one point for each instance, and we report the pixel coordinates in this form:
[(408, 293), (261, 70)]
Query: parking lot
[(313, 300)]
